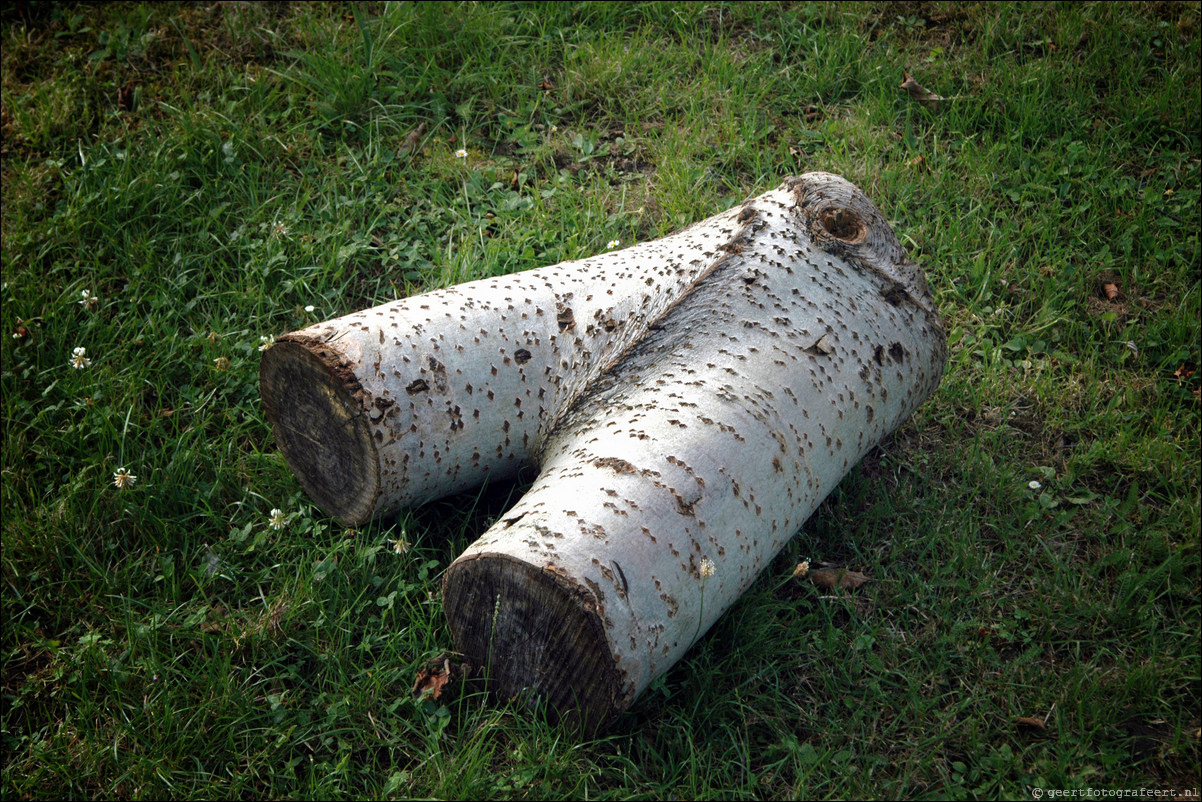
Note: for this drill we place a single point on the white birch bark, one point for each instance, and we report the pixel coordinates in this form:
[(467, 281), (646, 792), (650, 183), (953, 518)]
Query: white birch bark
[(423, 397), (712, 388)]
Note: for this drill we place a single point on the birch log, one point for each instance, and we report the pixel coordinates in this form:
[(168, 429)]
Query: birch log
[(689, 402), (427, 396)]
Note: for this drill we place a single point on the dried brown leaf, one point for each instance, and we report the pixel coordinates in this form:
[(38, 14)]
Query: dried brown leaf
[(1030, 722), (430, 680), (125, 98), (831, 578), (1111, 289), (411, 141), (920, 93)]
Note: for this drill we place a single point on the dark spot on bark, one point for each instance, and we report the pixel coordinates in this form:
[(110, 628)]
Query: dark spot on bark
[(878, 354), (622, 576), (619, 465), (747, 215), (521, 356), (384, 403), (895, 294), (417, 386), (897, 352), (843, 224), (567, 322)]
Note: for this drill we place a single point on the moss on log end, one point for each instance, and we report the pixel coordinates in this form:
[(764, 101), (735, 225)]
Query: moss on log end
[(536, 635), (319, 423)]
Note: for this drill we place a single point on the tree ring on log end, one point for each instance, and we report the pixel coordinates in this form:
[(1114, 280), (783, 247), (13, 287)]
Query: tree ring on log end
[(545, 631), (321, 428)]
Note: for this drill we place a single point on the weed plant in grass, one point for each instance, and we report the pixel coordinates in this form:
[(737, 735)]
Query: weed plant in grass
[(182, 181)]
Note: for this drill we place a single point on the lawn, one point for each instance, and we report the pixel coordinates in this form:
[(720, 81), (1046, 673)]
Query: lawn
[(183, 182)]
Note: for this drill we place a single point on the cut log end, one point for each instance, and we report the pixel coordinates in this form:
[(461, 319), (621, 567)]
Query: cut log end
[(537, 636), (321, 428)]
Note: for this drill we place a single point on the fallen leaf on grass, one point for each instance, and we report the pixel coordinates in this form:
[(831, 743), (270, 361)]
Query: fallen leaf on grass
[(1111, 289), (430, 680), (920, 93), (125, 98), (1030, 722), (412, 140), (831, 578)]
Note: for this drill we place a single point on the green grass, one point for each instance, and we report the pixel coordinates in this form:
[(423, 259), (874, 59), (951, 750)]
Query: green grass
[(210, 171)]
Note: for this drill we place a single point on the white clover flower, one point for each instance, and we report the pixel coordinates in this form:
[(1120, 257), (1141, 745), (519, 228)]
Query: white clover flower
[(123, 479), (89, 301), (1034, 485), (277, 520), (310, 308), (267, 341), (613, 243), (400, 545), (280, 230), (707, 567), (78, 360), (461, 154)]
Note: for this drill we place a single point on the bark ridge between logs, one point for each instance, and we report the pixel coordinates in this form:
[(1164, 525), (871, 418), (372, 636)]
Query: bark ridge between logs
[(688, 403)]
